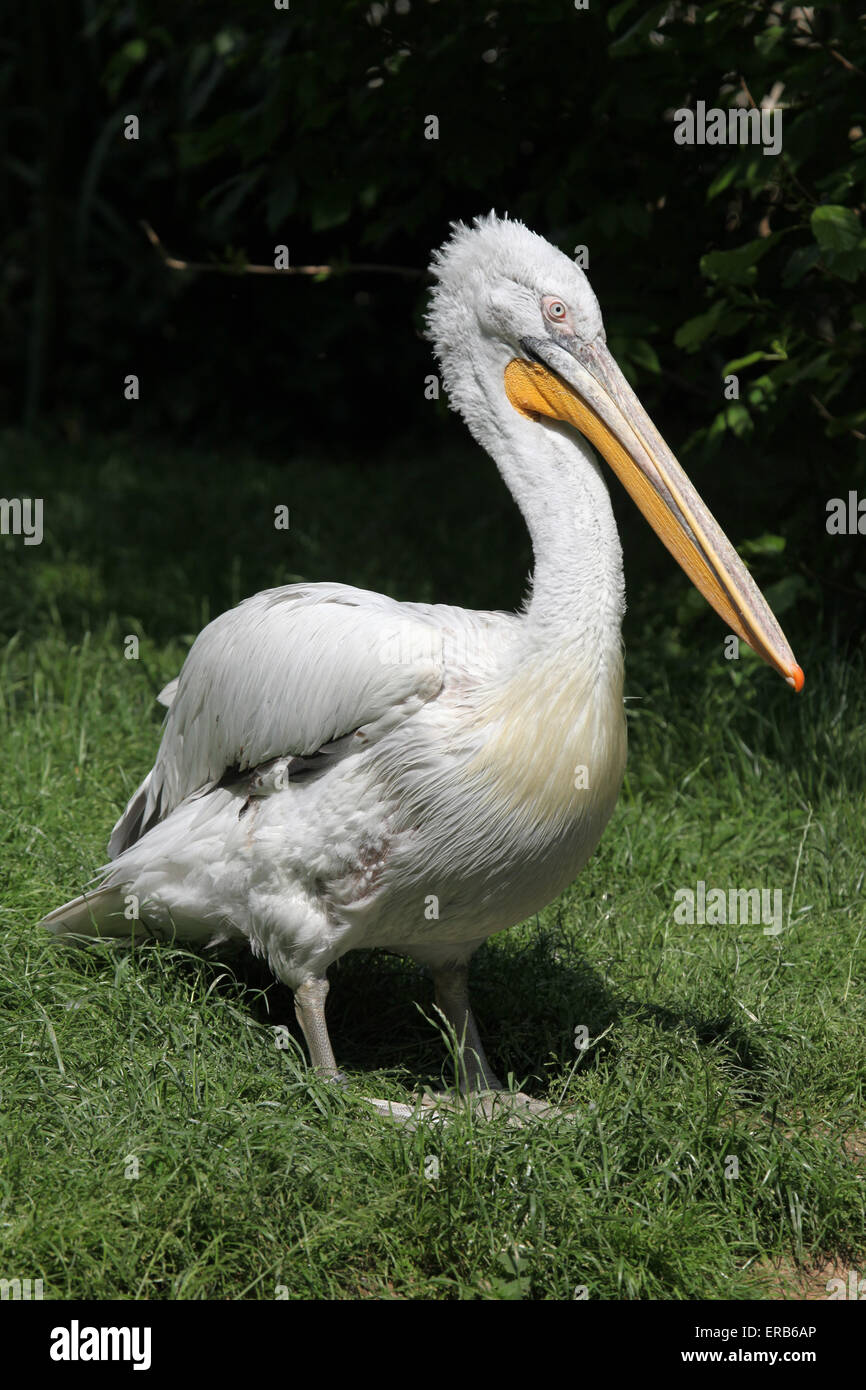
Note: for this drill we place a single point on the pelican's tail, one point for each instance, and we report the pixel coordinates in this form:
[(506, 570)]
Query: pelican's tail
[(100, 913)]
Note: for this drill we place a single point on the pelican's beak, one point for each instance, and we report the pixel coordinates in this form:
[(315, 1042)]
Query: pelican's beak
[(584, 387)]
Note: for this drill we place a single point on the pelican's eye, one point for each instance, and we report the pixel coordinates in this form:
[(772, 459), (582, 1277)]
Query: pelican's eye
[(555, 311)]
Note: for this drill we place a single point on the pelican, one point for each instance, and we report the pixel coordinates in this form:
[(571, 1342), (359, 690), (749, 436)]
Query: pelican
[(342, 770)]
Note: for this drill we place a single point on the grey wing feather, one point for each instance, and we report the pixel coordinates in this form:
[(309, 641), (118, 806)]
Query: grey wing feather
[(168, 692), (284, 673)]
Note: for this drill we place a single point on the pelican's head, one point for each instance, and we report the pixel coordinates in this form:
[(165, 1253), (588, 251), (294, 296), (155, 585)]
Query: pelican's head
[(511, 314)]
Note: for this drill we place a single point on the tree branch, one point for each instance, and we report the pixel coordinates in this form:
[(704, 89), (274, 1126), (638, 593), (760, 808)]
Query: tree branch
[(325, 271), (825, 415)]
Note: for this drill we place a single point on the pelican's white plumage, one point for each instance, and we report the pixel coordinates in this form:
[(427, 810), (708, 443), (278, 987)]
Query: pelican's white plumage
[(339, 769)]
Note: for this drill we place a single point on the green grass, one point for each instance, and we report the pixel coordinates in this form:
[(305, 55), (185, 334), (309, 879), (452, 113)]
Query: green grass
[(254, 1176)]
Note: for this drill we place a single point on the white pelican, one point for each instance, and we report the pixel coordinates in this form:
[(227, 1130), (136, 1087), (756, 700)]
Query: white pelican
[(341, 770)]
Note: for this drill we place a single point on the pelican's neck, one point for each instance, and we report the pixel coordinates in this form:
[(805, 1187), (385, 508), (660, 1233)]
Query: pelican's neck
[(553, 744), (577, 598)]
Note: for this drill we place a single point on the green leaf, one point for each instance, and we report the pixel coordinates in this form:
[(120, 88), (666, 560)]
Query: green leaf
[(777, 355), (226, 41), (736, 267), (804, 259), (723, 179), (734, 419), (769, 39), (763, 545), (760, 390), (738, 420), (849, 264), (641, 352), (122, 63), (738, 363), (786, 592), (719, 319), (836, 228)]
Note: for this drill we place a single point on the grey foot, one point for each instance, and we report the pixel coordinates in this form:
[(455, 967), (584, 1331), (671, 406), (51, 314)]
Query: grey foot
[(516, 1105), (436, 1107), (426, 1109)]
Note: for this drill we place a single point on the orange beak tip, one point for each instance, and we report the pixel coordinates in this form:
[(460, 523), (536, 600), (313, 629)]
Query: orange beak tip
[(796, 680)]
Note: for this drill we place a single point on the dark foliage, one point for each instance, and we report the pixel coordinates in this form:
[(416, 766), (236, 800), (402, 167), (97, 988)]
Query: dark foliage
[(306, 127)]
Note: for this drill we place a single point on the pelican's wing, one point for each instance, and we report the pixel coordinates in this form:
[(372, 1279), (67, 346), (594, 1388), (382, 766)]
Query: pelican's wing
[(283, 674)]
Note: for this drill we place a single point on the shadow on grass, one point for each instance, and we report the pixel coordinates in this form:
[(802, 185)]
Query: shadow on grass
[(723, 1033), (526, 1000)]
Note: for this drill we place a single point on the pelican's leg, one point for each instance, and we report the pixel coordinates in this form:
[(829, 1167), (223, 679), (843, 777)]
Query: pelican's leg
[(476, 1076), (451, 983), (310, 1012)]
